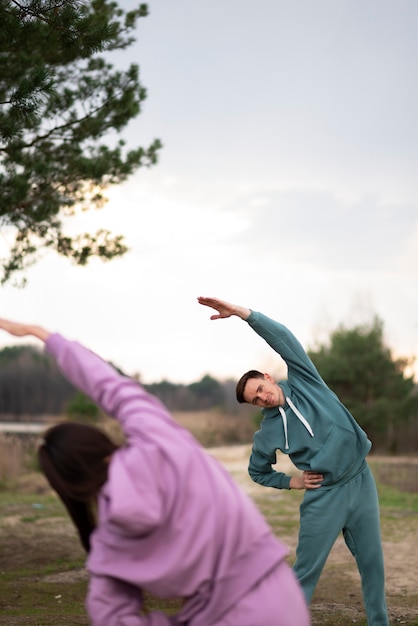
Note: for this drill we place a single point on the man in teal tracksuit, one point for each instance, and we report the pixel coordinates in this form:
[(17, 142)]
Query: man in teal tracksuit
[(303, 418)]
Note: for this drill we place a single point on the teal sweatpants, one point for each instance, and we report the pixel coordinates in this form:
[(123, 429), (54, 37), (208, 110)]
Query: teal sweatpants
[(352, 508)]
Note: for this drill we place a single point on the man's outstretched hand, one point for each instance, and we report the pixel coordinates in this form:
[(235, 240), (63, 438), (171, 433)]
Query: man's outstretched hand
[(225, 309)]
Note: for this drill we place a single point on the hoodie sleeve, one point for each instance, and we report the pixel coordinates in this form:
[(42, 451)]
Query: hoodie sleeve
[(284, 342), (261, 471), (117, 395), (112, 602)]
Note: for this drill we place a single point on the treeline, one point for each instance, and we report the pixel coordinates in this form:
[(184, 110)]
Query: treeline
[(31, 386), (204, 394), (377, 388)]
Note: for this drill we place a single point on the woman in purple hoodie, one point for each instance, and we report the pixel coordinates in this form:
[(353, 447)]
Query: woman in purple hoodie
[(159, 514)]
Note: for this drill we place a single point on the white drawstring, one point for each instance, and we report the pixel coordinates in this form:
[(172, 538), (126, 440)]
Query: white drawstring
[(299, 415), (284, 418)]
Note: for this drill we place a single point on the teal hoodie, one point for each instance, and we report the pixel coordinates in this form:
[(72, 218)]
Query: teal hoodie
[(314, 428)]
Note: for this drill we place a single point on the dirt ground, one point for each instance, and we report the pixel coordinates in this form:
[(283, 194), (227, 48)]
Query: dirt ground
[(32, 543), (400, 547)]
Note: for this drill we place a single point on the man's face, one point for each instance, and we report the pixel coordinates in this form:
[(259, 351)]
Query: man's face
[(263, 392)]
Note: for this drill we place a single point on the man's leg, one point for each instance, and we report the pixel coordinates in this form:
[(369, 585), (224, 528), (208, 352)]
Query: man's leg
[(362, 536), (322, 517)]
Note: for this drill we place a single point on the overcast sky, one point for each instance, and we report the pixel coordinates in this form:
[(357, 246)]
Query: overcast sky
[(288, 183)]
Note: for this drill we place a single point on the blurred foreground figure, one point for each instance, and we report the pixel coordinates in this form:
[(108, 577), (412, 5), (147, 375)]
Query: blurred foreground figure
[(159, 514), (303, 418)]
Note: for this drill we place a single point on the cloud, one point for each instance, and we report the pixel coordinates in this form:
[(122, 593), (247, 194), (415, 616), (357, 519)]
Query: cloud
[(319, 229)]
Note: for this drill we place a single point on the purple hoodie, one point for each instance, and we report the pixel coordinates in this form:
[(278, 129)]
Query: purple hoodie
[(171, 519)]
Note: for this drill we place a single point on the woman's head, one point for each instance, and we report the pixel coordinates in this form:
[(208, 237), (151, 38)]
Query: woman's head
[(74, 458)]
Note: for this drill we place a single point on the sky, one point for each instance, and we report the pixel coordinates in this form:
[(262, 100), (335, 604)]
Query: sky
[(287, 183)]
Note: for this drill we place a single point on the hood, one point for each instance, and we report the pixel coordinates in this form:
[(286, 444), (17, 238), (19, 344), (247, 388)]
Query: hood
[(134, 498)]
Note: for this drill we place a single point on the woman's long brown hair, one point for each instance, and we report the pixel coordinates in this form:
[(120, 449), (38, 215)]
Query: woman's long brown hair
[(74, 458)]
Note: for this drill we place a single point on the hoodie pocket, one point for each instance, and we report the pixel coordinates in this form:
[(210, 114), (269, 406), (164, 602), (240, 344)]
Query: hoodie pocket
[(337, 454)]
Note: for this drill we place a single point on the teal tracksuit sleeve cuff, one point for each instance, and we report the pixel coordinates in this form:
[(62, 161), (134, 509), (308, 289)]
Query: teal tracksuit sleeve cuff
[(261, 471)]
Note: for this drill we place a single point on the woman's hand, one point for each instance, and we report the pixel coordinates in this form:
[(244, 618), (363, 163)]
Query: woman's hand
[(23, 330)]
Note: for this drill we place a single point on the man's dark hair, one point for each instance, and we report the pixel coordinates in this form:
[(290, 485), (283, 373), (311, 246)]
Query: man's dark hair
[(240, 388), (74, 458)]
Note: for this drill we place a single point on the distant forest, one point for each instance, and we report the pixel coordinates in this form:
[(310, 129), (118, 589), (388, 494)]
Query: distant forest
[(376, 387), (31, 386)]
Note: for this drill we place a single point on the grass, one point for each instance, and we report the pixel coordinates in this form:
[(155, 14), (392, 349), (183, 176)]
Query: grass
[(43, 583)]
